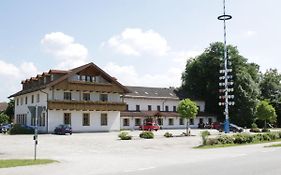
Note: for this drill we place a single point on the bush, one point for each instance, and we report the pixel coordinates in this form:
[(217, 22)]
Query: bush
[(167, 134), (204, 136), (243, 138), (256, 130), (212, 141), (265, 130), (266, 137), (225, 139), (254, 126), (273, 135), (147, 135), (19, 129), (125, 136), (258, 137), (279, 133)]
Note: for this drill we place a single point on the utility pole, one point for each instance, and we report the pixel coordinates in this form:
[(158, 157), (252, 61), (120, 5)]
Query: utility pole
[(226, 76)]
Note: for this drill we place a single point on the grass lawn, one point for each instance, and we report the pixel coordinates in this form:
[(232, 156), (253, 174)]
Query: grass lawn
[(23, 162), (229, 145)]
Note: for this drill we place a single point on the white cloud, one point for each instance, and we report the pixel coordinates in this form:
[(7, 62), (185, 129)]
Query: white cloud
[(128, 75), (136, 42), (67, 52), (182, 56), (11, 76)]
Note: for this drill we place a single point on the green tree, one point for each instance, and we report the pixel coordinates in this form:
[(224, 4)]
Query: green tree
[(271, 90), (265, 112), (3, 118), (200, 80), (10, 110), (187, 110)]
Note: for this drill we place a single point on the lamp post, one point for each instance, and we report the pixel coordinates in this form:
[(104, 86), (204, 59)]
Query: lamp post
[(225, 76)]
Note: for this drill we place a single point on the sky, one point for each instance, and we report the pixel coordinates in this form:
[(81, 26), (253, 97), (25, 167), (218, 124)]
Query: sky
[(140, 42)]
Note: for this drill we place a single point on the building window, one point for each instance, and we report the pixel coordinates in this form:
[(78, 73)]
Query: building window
[(149, 107), (21, 101), (181, 121), (103, 119), (137, 122), (137, 107), (174, 108), (86, 96), (32, 98), (166, 108), (67, 118), (191, 121), (67, 95), (158, 108), (210, 121), (17, 101), (21, 119), (126, 122), (86, 119), (38, 98), (160, 121), (127, 107), (171, 121), (26, 100), (52, 77), (41, 120), (103, 97)]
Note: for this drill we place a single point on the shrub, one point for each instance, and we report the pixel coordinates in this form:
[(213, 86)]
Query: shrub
[(204, 136), (225, 139), (19, 129), (273, 135), (147, 135), (212, 141), (167, 134), (266, 137), (243, 138), (265, 130), (279, 133), (256, 130), (254, 126), (258, 137), (125, 136)]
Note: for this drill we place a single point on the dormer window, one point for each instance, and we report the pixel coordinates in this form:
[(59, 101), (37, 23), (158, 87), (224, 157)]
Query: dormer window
[(45, 80), (52, 77)]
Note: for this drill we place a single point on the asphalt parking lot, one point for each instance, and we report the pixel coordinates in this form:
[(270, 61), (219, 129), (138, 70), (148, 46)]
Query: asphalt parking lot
[(99, 153)]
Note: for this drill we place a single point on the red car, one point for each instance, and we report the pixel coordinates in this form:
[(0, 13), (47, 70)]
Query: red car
[(150, 126)]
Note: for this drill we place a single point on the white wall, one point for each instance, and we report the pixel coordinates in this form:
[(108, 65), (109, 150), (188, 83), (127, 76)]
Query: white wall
[(56, 117), (132, 102)]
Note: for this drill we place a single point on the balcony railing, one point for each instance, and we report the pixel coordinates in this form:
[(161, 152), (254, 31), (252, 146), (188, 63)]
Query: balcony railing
[(86, 105)]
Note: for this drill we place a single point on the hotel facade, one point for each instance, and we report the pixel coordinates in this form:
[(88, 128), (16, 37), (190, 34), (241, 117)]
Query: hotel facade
[(90, 100)]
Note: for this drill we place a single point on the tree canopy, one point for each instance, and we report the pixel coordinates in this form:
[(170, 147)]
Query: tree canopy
[(265, 112), (200, 80)]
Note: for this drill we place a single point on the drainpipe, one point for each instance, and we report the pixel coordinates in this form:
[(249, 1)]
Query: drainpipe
[(47, 116)]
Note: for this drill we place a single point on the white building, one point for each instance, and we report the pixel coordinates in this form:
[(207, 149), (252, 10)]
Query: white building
[(160, 105), (90, 100), (85, 97)]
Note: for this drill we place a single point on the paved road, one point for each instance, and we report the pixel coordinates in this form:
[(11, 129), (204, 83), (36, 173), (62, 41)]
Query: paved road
[(266, 162)]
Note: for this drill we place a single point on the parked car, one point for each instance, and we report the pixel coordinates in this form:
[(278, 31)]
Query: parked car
[(5, 128), (232, 128), (63, 129), (150, 126)]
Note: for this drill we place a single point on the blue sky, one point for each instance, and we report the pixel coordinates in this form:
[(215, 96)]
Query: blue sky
[(140, 42)]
